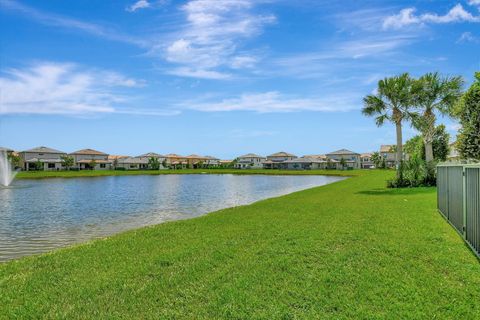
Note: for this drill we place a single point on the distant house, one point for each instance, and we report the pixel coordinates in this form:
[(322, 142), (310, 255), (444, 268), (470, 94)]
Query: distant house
[(176, 161), (212, 161), (224, 162), (276, 160), (351, 159), (89, 159), (453, 154), (132, 163), (366, 161), (147, 156), (250, 161), (196, 161), (42, 158), (305, 163), (388, 153)]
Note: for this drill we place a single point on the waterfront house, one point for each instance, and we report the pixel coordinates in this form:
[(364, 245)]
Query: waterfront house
[(276, 160), (366, 161), (304, 163), (212, 161), (42, 158), (250, 161), (89, 159), (196, 161), (388, 153), (147, 156), (176, 161), (132, 163), (150, 155), (351, 159)]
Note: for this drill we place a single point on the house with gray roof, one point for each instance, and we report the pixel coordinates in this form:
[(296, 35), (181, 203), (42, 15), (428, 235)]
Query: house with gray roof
[(388, 154), (250, 161), (366, 161), (212, 161), (305, 163), (42, 158), (276, 160), (132, 163), (89, 159), (350, 158)]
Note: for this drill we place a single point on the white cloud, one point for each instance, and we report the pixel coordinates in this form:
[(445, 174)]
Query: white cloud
[(141, 4), (273, 101), (407, 17), (474, 2), (211, 36), (199, 73), (404, 18), (55, 20), (66, 89), (467, 37)]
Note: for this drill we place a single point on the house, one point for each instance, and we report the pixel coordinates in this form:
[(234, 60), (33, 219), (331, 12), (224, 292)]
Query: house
[(304, 163), (453, 154), (212, 161), (388, 153), (89, 159), (132, 163), (224, 162), (250, 161), (366, 161), (350, 158), (176, 161), (196, 161), (276, 160), (147, 156), (42, 158)]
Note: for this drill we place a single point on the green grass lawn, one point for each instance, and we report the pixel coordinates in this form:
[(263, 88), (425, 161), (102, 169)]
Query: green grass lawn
[(349, 250), (101, 173)]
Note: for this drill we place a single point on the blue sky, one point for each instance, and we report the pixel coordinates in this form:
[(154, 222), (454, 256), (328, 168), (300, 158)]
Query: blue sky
[(218, 77)]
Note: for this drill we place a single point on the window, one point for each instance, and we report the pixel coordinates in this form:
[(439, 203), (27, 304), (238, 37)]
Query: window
[(102, 165), (51, 166)]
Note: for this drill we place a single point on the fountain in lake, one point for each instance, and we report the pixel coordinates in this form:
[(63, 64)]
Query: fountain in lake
[(6, 171)]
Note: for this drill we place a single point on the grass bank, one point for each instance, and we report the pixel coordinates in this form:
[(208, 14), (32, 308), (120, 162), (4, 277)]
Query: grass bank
[(349, 250), (101, 173)]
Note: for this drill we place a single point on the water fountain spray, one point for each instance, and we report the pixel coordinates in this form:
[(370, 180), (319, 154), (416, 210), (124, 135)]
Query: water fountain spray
[(7, 174)]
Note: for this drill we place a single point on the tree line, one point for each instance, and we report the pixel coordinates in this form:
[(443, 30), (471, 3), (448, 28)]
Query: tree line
[(419, 101)]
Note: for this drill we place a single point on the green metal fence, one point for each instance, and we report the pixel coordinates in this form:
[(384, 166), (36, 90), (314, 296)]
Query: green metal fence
[(458, 195)]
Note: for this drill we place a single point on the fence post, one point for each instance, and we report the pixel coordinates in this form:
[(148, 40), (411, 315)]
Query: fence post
[(464, 206)]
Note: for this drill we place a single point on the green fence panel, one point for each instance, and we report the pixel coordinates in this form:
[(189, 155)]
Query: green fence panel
[(472, 186), (458, 195), (455, 197), (442, 190)]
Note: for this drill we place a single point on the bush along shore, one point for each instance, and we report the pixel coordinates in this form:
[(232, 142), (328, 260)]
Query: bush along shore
[(349, 250)]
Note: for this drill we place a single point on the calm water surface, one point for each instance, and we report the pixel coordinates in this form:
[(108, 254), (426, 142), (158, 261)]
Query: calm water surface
[(40, 215)]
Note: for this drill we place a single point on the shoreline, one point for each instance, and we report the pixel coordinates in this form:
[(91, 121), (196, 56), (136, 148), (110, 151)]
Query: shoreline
[(22, 175), (307, 254)]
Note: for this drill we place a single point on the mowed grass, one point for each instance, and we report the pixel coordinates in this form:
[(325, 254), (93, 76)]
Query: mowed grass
[(349, 250), (102, 173)]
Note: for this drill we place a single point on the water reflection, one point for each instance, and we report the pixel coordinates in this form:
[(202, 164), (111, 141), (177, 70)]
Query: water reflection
[(37, 216)]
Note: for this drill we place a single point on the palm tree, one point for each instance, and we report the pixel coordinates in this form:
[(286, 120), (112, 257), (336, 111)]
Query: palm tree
[(434, 93), (392, 102)]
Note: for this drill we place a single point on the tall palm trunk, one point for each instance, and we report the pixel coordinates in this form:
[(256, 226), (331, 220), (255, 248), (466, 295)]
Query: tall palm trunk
[(399, 157), (397, 116), (428, 133)]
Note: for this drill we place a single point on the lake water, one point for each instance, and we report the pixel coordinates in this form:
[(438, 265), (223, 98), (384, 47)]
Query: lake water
[(40, 215)]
